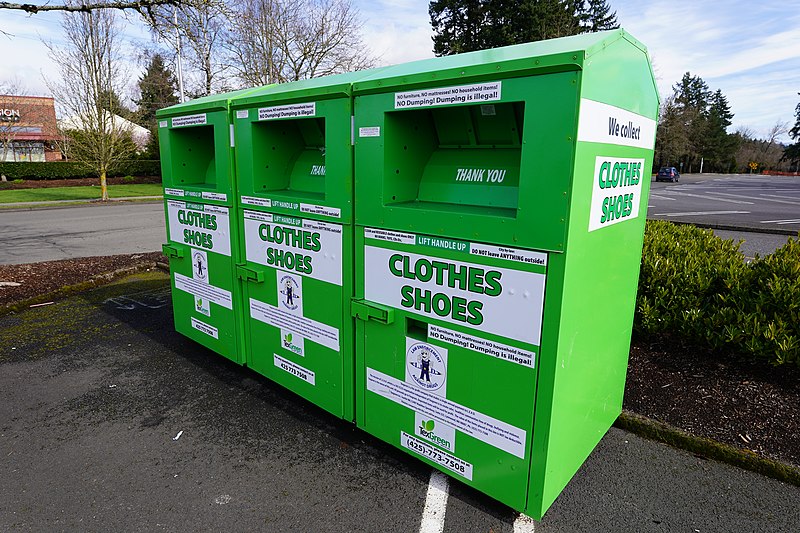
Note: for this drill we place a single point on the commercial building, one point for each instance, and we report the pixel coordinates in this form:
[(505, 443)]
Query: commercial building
[(28, 130)]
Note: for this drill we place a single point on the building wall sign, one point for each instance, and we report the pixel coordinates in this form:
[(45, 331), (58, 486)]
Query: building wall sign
[(9, 115)]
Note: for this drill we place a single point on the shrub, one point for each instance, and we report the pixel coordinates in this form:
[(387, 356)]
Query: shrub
[(55, 170), (699, 288), (128, 179)]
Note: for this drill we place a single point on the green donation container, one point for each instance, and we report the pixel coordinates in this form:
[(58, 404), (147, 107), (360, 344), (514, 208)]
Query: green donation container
[(294, 159), (500, 207), (197, 173)]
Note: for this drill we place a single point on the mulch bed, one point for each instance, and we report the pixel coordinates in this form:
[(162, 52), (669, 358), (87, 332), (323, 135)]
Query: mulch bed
[(82, 182), (737, 402)]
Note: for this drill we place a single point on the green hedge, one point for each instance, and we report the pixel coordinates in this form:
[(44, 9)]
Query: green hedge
[(700, 288), (58, 170)]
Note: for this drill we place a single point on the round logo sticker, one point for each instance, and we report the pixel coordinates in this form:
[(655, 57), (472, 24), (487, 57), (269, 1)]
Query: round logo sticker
[(426, 366), (290, 292), (199, 266)]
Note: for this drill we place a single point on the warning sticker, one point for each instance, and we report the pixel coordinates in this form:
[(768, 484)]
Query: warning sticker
[(308, 109), (173, 192), (485, 428), (200, 289), (243, 113), (332, 212), (202, 327), (462, 94), (390, 236), (448, 461), (260, 202), (309, 329), (484, 346), (189, 120), (221, 197), (510, 254), (369, 131), (294, 369)]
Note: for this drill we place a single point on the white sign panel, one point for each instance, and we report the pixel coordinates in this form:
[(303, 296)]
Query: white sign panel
[(390, 236), (306, 247), (484, 346), (462, 94), (189, 120), (423, 449), (202, 226), (603, 123), (294, 369), (308, 109), (202, 327), (199, 289), (475, 424), (305, 327), (505, 302), (616, 192)]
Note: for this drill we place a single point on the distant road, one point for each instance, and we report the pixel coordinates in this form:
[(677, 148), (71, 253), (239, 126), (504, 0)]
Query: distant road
[(31, 236), (742, 200)]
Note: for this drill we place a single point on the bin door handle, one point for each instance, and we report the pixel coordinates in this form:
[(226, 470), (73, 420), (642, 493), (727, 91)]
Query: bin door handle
[(170, 250), (366, 310), (249, 274)]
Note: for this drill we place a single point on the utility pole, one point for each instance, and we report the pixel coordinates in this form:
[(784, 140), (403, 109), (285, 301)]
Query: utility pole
[(701, 164), (180, 63)]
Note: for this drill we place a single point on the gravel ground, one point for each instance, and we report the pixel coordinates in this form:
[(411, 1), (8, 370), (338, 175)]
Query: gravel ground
[(752, 406)]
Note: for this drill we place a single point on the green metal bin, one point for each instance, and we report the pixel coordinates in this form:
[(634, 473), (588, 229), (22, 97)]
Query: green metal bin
[(294, 158), (500, 207), (202, 246)]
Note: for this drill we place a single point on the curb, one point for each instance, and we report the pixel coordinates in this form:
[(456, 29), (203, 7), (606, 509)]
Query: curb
[(727, 227), (69, 290), (63, 204), (708, 448)]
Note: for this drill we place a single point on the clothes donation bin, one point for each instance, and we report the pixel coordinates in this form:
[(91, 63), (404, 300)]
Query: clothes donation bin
[(202, 246), (295, 196), (500, 208)]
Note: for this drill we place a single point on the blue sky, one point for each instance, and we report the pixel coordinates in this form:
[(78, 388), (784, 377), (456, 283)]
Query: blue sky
[(750, 50)]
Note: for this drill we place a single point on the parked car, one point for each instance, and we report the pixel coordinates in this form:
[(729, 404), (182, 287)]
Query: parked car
[(668, 174)]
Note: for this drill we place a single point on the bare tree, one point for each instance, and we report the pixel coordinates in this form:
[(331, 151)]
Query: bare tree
[(90, 73), (139, 5), (275, 41)]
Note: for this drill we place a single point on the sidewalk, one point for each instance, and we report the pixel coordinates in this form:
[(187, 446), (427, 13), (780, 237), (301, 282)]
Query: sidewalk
[(95, 389), (61, 203)]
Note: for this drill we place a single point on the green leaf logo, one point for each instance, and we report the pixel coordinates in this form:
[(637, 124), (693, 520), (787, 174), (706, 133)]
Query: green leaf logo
[(429, 425), (289, 338)]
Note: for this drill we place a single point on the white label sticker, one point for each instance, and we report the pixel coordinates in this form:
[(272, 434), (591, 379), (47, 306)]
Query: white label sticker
[(260, 202), (462, 94), (199, 289), (502, 301), (293, 342), (332, 212), (173, 192), (371, 131), (202, 306), (162, 123), (202, 226), (202, 327), (243, 113), (189, 120), (294, 369), (510, 254), (390, 236), (435, 431), (444, 459), (307, 247), (475, 424), (222, 197), (308, 109), (603, 123), (426, 366), (616, 191), (484, 346), (310, 329)]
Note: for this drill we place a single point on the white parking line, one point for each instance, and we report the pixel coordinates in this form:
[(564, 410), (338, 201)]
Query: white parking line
[(435, 504), (781, 222), (782, 196), (694, 213), (524, 524), (763, 199), (659, 197), (714, 198)]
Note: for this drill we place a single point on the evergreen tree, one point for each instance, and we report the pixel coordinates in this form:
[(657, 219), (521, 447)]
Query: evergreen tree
[(468, 25), (792, 152), (110, 101), (719, 146), (157, 88), (597, 16)]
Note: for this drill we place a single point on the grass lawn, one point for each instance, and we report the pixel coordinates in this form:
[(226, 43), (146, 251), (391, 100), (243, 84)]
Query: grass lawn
[(78, 193)]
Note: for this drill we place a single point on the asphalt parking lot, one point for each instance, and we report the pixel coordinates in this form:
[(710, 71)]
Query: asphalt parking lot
[(109, 420)]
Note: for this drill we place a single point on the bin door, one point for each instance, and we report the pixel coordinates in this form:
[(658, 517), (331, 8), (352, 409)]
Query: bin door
[(447, 344), (202, 272), (293, 304)]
